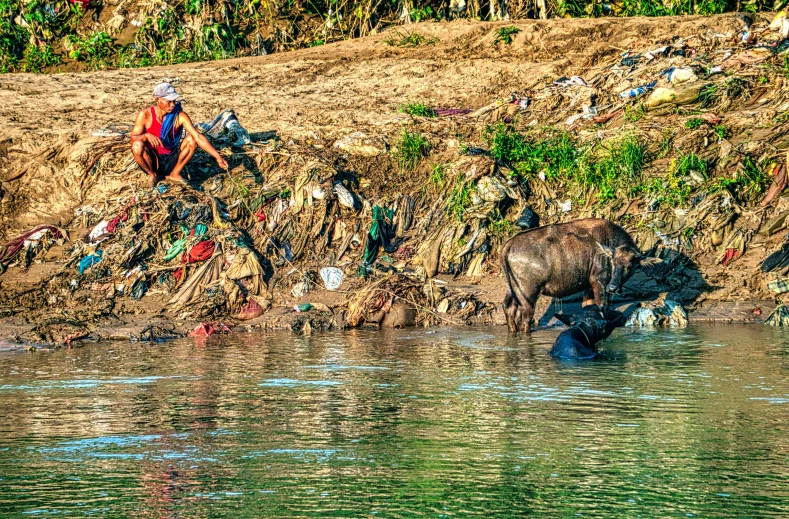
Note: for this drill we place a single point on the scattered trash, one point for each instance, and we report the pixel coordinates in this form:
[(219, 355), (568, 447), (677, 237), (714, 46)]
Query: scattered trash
[(778, 317), (528, 219), (300, 289), (667, 313), (332, 277), (358, 143), (226, 126), (209, 329), (638, 91)]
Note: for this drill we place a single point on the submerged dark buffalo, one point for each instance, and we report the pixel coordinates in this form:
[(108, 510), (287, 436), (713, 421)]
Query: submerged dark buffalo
[(591, 326), (590, 255)]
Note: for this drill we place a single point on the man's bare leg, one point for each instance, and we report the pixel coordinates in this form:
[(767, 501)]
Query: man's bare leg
[(147, 160), (188, 148)]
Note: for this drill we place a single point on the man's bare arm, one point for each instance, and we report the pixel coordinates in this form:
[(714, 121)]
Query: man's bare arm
[(201, 140), (138, 133)]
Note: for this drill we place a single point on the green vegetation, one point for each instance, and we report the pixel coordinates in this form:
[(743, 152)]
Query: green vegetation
[(501, 228), (685, 164), (33, 32), (693, 123), (615, 168), (38, 58), (505, 34), (438, 178), (420, 14), (417, 109), (460, 198), (708, 96), (408, 39), (721, 131), (634, 113), (556, 155), (95, 49), (410, 149)]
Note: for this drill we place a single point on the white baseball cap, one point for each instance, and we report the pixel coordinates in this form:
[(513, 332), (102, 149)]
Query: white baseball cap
[(166, 91)]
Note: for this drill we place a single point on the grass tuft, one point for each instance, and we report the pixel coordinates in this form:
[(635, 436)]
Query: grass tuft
[(409, 39), (460, 198), (505, 34), (410, 149), (417, 109)]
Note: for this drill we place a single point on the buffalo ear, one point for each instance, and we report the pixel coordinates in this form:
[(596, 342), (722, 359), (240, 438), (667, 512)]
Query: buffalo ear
[(646, 260), (605, 251), (566, 319)]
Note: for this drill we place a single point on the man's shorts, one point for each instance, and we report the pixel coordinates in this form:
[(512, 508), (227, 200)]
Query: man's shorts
[(166, 163)]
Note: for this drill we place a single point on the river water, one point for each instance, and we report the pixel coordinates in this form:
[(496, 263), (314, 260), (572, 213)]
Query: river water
[(463, 422)]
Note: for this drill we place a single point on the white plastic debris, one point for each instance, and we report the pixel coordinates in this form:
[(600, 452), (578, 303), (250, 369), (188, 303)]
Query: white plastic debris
[(332, 277), (567, 206), (300, 289), (319, 193), (345, 197)]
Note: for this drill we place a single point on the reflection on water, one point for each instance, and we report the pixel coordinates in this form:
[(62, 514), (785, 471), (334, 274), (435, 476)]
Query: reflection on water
[(438, 423)]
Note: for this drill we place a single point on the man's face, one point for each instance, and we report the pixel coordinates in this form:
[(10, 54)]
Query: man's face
[(165, 105)]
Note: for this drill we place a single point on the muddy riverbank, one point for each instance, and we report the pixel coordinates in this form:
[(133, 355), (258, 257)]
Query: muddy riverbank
[(396, 174)]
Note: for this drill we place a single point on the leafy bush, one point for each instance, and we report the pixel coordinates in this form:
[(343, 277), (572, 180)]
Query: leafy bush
[(37, 58), (95, 49)]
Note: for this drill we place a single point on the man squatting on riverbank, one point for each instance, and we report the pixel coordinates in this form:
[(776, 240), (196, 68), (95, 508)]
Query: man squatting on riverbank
[(156, 139)]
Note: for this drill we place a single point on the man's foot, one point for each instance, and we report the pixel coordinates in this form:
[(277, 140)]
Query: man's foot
[(152, 180)]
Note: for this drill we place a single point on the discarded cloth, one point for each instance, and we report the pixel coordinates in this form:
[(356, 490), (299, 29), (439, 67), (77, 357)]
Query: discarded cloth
[(12, 247), (175, 249), (200, 252), (246, 265), (88, 261), (779, 183), (99, 233), (779, 286), (778, 317)]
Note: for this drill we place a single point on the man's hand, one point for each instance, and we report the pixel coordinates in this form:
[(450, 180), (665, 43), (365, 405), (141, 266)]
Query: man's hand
[(153, 140), (221, 162)]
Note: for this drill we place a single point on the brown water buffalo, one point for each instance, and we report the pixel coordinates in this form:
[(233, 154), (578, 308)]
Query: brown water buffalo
[(590, 255)]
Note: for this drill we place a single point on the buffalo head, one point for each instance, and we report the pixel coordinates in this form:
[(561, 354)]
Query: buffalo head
[(624, 259)]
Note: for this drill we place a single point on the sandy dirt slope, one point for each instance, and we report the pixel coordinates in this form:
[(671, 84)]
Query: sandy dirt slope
[(332, 88)]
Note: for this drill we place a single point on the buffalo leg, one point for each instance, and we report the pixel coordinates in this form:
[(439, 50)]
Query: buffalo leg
[(510, 311), (525, 316), (600, 295)]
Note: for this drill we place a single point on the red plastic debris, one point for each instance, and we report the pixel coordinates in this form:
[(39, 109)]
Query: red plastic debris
[(209, 329), (201, 251)]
